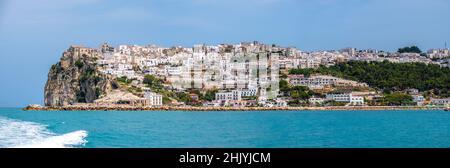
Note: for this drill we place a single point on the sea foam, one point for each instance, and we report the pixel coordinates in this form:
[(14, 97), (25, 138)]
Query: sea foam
[(24, 134)]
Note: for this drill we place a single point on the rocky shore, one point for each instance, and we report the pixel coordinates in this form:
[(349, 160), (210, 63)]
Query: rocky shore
[(191, 108)]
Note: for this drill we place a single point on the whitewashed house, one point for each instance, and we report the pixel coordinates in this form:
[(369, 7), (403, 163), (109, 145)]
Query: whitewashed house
[(444, 102), (346, 97), (155, 99), (227, 96), (315, 100)]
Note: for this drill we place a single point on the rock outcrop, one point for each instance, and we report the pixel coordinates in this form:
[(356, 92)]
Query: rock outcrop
[(76, 79)]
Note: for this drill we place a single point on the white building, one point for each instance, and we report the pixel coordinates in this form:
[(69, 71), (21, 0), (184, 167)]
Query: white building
[(418, 98), (357, 100), (315, 100), (211, 104), (174, 71), (319, 81), (155, 99), (444, 102), (438, 53), (346, 97), (297, 80), (280, 103), (227, 96), (249, 92)]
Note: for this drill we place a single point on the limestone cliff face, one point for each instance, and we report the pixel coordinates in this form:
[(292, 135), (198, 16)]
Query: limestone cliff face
[(75, 79)]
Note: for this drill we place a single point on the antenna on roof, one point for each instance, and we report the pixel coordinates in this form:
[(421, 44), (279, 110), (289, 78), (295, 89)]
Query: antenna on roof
[(446, 45)]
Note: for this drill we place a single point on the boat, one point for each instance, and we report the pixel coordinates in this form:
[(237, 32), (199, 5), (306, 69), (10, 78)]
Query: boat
[(447, 109)]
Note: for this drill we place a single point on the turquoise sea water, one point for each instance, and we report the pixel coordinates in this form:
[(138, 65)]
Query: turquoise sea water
[(224, 129)]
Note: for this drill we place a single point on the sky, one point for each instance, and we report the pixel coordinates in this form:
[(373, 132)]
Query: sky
[(33, 34)]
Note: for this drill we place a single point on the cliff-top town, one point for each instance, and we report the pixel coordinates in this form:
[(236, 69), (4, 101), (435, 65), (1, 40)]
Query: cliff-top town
[(249, 74)]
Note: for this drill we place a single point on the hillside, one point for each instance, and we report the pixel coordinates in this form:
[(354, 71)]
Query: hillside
[(390, 76)]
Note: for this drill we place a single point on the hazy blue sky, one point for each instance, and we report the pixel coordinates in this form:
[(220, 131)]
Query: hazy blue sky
[(34, 33)]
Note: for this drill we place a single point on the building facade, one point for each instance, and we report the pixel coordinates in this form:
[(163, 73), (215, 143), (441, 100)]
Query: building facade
[(155, 100), (346, 97)]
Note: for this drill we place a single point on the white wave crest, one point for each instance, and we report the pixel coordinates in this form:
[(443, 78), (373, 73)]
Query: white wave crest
[(24, 134)]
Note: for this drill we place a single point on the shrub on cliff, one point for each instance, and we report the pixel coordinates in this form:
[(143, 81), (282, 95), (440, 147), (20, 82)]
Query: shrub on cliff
[(124, 79), (79, 64), (153, 82)]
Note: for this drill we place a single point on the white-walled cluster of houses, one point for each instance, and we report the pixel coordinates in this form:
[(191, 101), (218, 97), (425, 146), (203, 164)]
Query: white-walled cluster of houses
[(247, 66), (248, 69)]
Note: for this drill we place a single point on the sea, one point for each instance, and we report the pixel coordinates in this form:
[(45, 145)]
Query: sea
[(227, 129)]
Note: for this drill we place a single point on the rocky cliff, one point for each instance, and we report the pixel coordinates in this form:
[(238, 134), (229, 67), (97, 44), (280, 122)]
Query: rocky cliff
[(76, 79)]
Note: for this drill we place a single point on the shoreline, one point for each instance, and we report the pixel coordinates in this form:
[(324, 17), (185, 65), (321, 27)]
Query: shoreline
[(188, 108)]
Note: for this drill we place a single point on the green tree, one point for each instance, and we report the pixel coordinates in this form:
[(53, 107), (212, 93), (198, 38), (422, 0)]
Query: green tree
[(210, 95), (307, 72), (153, 82), (397, 99), (79, 64), (411, 49), (183, 97), (284, 85), (124, 79)]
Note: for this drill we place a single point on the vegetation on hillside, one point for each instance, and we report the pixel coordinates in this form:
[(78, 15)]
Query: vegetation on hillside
[(299, 94), (124, 80), (209, 95), (397, 99), (153, 82), (156, 85), (390, 77)]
